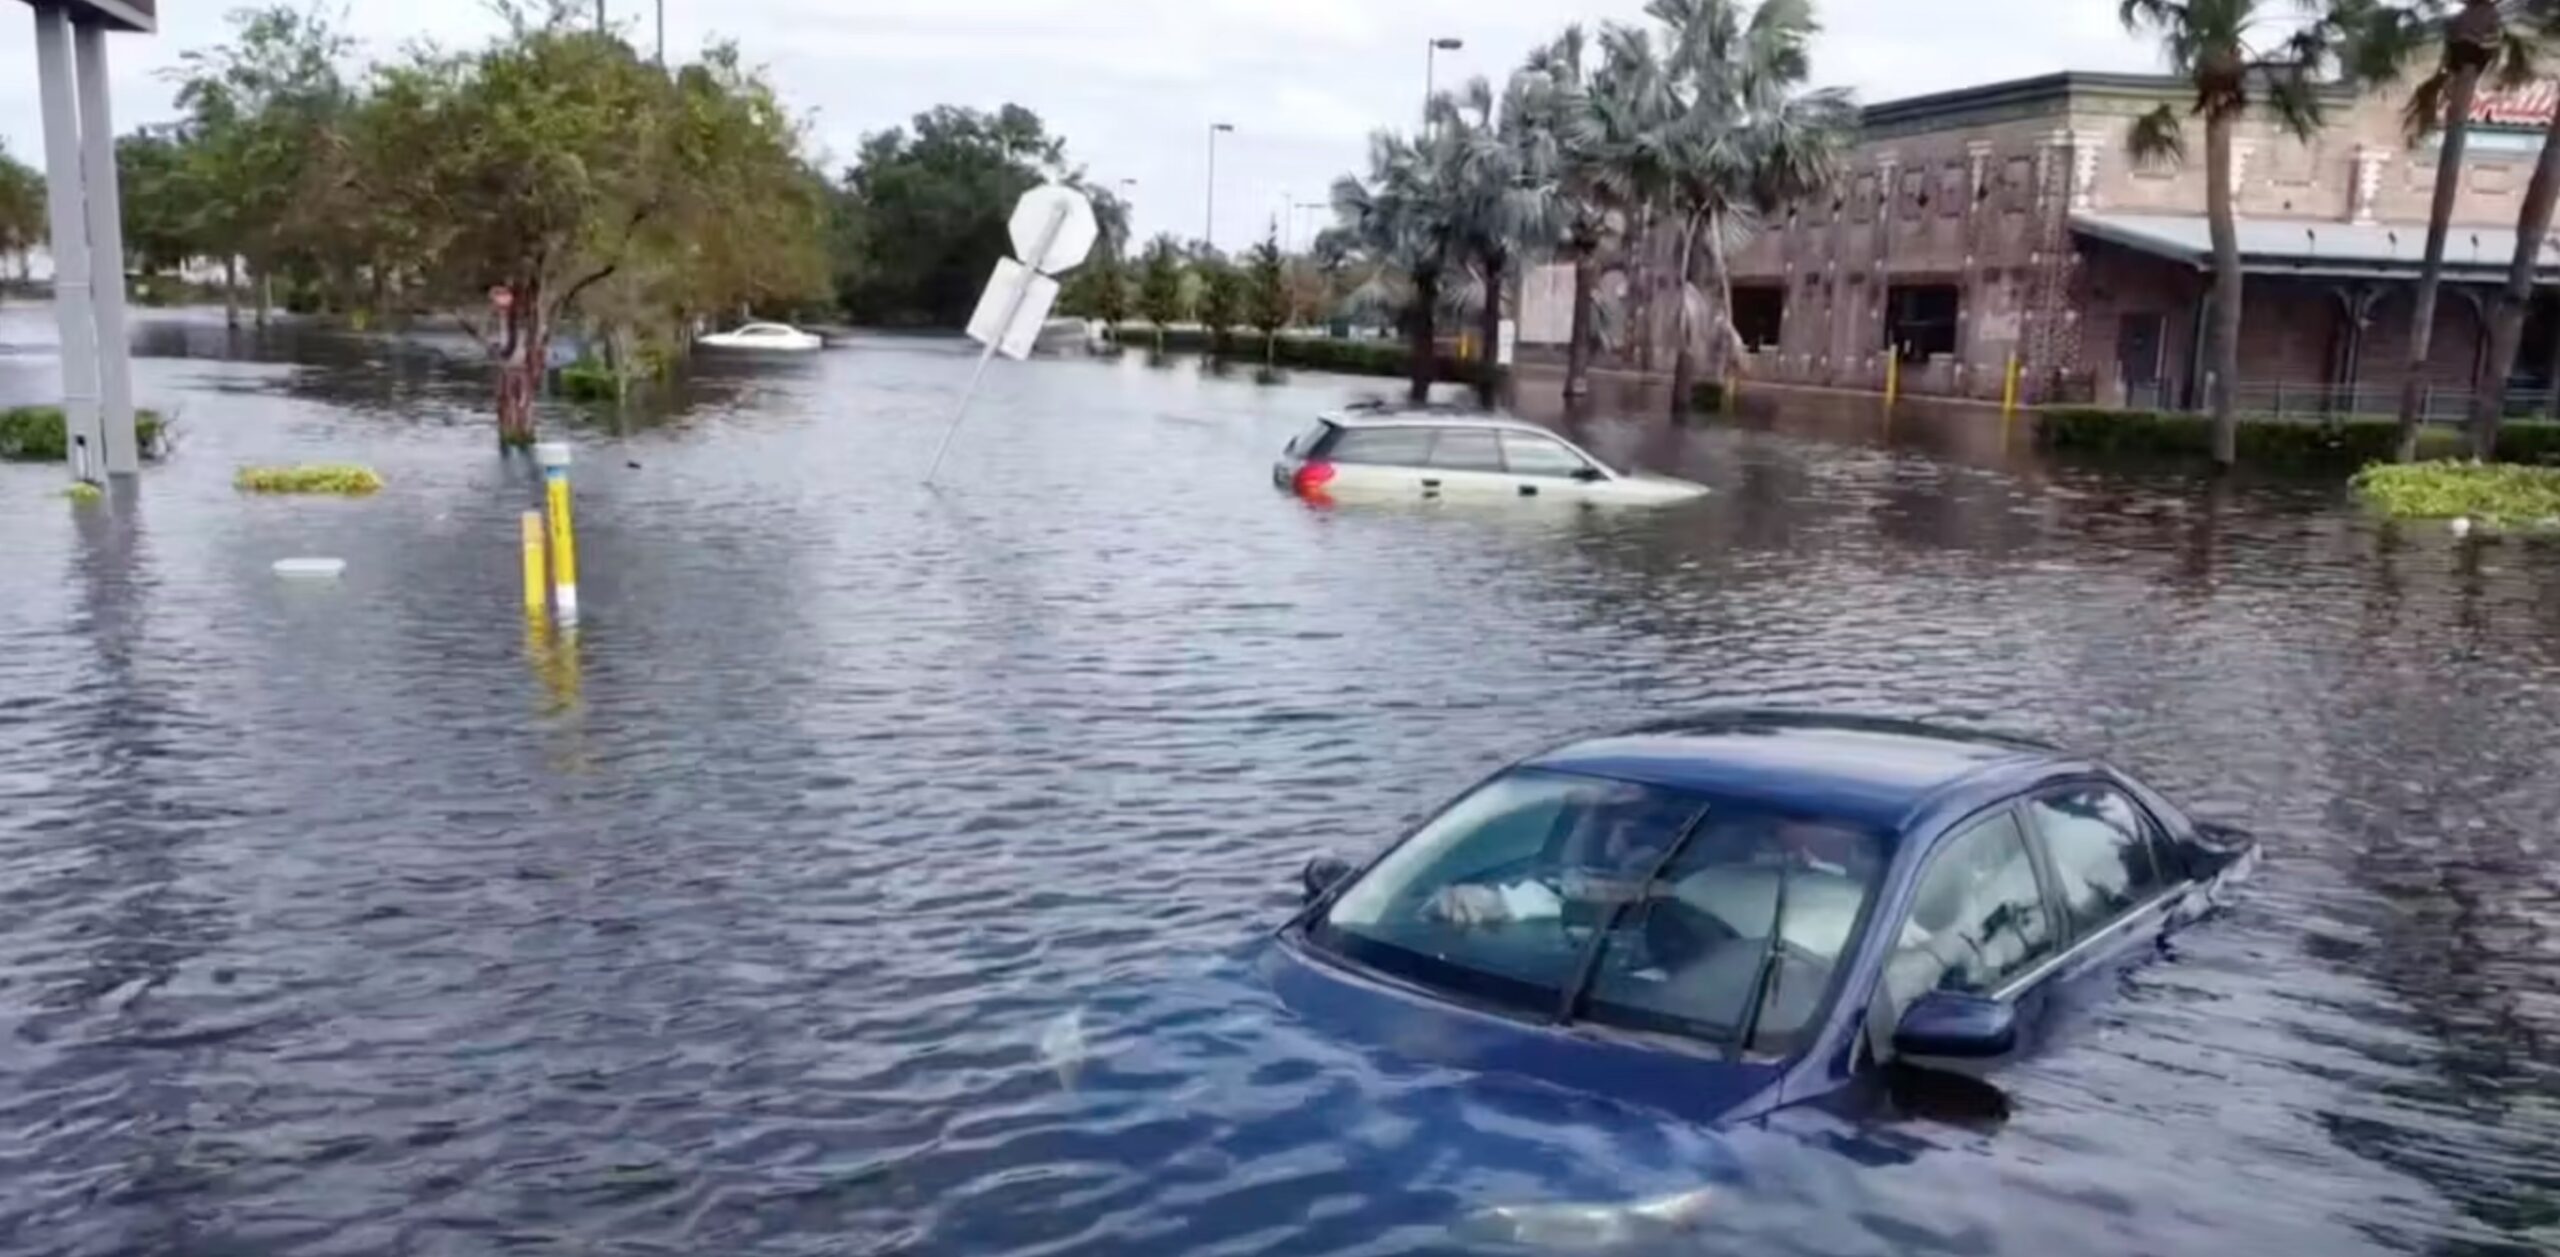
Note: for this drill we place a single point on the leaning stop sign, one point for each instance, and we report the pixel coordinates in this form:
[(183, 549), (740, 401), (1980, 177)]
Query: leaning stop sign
[(1075, 228)]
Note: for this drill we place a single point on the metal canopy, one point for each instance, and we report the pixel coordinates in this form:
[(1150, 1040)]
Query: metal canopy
[(122, 15), (2320, 248)]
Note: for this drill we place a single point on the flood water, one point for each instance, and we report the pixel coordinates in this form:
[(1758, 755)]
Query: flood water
[(350, 918)]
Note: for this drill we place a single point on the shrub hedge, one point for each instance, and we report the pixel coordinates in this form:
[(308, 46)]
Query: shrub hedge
[(2498, 494), (2097, 430), (1302, 353), (37, 434)]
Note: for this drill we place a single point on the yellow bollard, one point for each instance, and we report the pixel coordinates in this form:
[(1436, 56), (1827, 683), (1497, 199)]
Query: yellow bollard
[(1892, 374), (1732, 391), (2009, 388), (554, 457), (537, 582)]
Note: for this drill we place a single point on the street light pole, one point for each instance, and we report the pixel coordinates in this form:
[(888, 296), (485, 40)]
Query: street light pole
[(1430, 55), (1209, 223), (662, 34)]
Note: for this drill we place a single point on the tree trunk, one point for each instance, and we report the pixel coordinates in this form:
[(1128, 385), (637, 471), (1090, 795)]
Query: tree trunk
[(2422, 310), (1489, 332), (521, 361), (1684, 367), (230, 290), (1640, 290), (266, 294), (2506, 315), (1730, 346), (1422, 345), (2226, 290), (1577, 350)]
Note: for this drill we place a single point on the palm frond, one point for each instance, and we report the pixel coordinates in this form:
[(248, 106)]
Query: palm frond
[(2423, 114), (2157, 136)]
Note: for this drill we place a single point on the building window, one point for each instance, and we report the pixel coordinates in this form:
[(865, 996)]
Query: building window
[(1920, 319), (1759, 315)]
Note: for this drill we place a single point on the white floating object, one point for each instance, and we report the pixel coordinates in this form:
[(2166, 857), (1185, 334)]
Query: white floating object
[(310, 569), (2461, 525)]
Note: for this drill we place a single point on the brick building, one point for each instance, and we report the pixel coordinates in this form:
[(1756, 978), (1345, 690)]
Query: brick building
[(1972, 224)]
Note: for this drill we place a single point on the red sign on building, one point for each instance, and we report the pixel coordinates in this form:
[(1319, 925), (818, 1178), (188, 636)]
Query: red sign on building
[(2527, 106)]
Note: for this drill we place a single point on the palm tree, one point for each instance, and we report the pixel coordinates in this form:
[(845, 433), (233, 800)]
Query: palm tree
[(2215, 45), (1744, 140), (1400, 219), (2533, 223), (2474, 43), (1506, 197)]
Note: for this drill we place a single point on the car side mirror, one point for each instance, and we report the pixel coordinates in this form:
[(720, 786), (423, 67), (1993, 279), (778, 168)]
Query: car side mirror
[(1948, 1024), (1320, 875), (1590, 473)]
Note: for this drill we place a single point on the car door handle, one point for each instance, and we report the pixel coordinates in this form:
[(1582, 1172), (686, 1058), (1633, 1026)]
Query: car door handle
[(1430, 486), (1528, 491)]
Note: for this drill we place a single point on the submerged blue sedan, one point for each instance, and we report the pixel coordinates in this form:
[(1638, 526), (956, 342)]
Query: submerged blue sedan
[(1732, 914)]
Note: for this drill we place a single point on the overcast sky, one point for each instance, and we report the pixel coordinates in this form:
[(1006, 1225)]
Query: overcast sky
[(1134, 84)]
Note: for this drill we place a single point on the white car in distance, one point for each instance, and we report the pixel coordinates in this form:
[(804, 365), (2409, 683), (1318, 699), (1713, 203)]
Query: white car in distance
[(1423, 454), (768, 338)]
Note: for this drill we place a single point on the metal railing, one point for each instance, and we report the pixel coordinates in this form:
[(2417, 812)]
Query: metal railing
[(2317, 401)]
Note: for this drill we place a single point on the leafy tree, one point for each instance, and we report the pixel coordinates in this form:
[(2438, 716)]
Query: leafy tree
[(1160, 285), (163, 225), (931, 205), (259, 112), (22, 210), (1267, 295), (1222, 298), (2236, 56)]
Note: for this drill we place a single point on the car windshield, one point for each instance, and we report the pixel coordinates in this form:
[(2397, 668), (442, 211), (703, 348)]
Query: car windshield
[(1723, 919)]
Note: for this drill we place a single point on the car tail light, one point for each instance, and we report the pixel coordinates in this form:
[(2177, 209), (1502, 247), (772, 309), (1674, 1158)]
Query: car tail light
[(1312, 476)]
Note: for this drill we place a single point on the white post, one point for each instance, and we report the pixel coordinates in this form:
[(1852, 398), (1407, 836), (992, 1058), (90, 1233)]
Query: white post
[(73, 314), (106, 251)]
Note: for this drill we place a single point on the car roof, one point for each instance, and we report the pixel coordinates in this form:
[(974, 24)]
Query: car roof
[(1872, 771), (1378, 415)]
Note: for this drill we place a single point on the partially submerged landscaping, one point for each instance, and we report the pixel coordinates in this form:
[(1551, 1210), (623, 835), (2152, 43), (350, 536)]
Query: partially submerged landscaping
[(346, 479), (2338, 443), (2499, 495), (38, 434)]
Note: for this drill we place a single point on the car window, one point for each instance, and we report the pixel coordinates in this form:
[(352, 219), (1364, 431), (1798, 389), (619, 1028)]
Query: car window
[(1498, 896), (1757, 910), (1977, 918), (1539, 456), (2100, 849), (1306, 443), (1389, 447), (1466, 449)]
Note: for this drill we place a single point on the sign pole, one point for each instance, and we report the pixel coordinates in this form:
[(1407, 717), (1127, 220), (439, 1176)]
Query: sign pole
[(1013, 308)]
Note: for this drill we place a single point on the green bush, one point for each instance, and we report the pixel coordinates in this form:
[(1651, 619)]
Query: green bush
[(37, 434), (1708, 395), (588, 380), (1302, 353), (349, 479), (2499, 494), (2096, 430)]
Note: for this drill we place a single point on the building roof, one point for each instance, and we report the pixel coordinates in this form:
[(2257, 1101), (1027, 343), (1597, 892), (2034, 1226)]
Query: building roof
[(2041, 94), (2322, 248), (1871, 771), (126, 15)]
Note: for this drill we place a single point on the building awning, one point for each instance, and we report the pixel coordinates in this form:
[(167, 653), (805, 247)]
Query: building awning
[(2320, 248)]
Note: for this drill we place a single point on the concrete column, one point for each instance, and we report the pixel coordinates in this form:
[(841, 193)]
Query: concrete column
[(106, 250), (74, 315)]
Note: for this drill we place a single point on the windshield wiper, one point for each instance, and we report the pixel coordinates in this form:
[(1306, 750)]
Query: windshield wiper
[(1764, 986), (1589, 962)]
